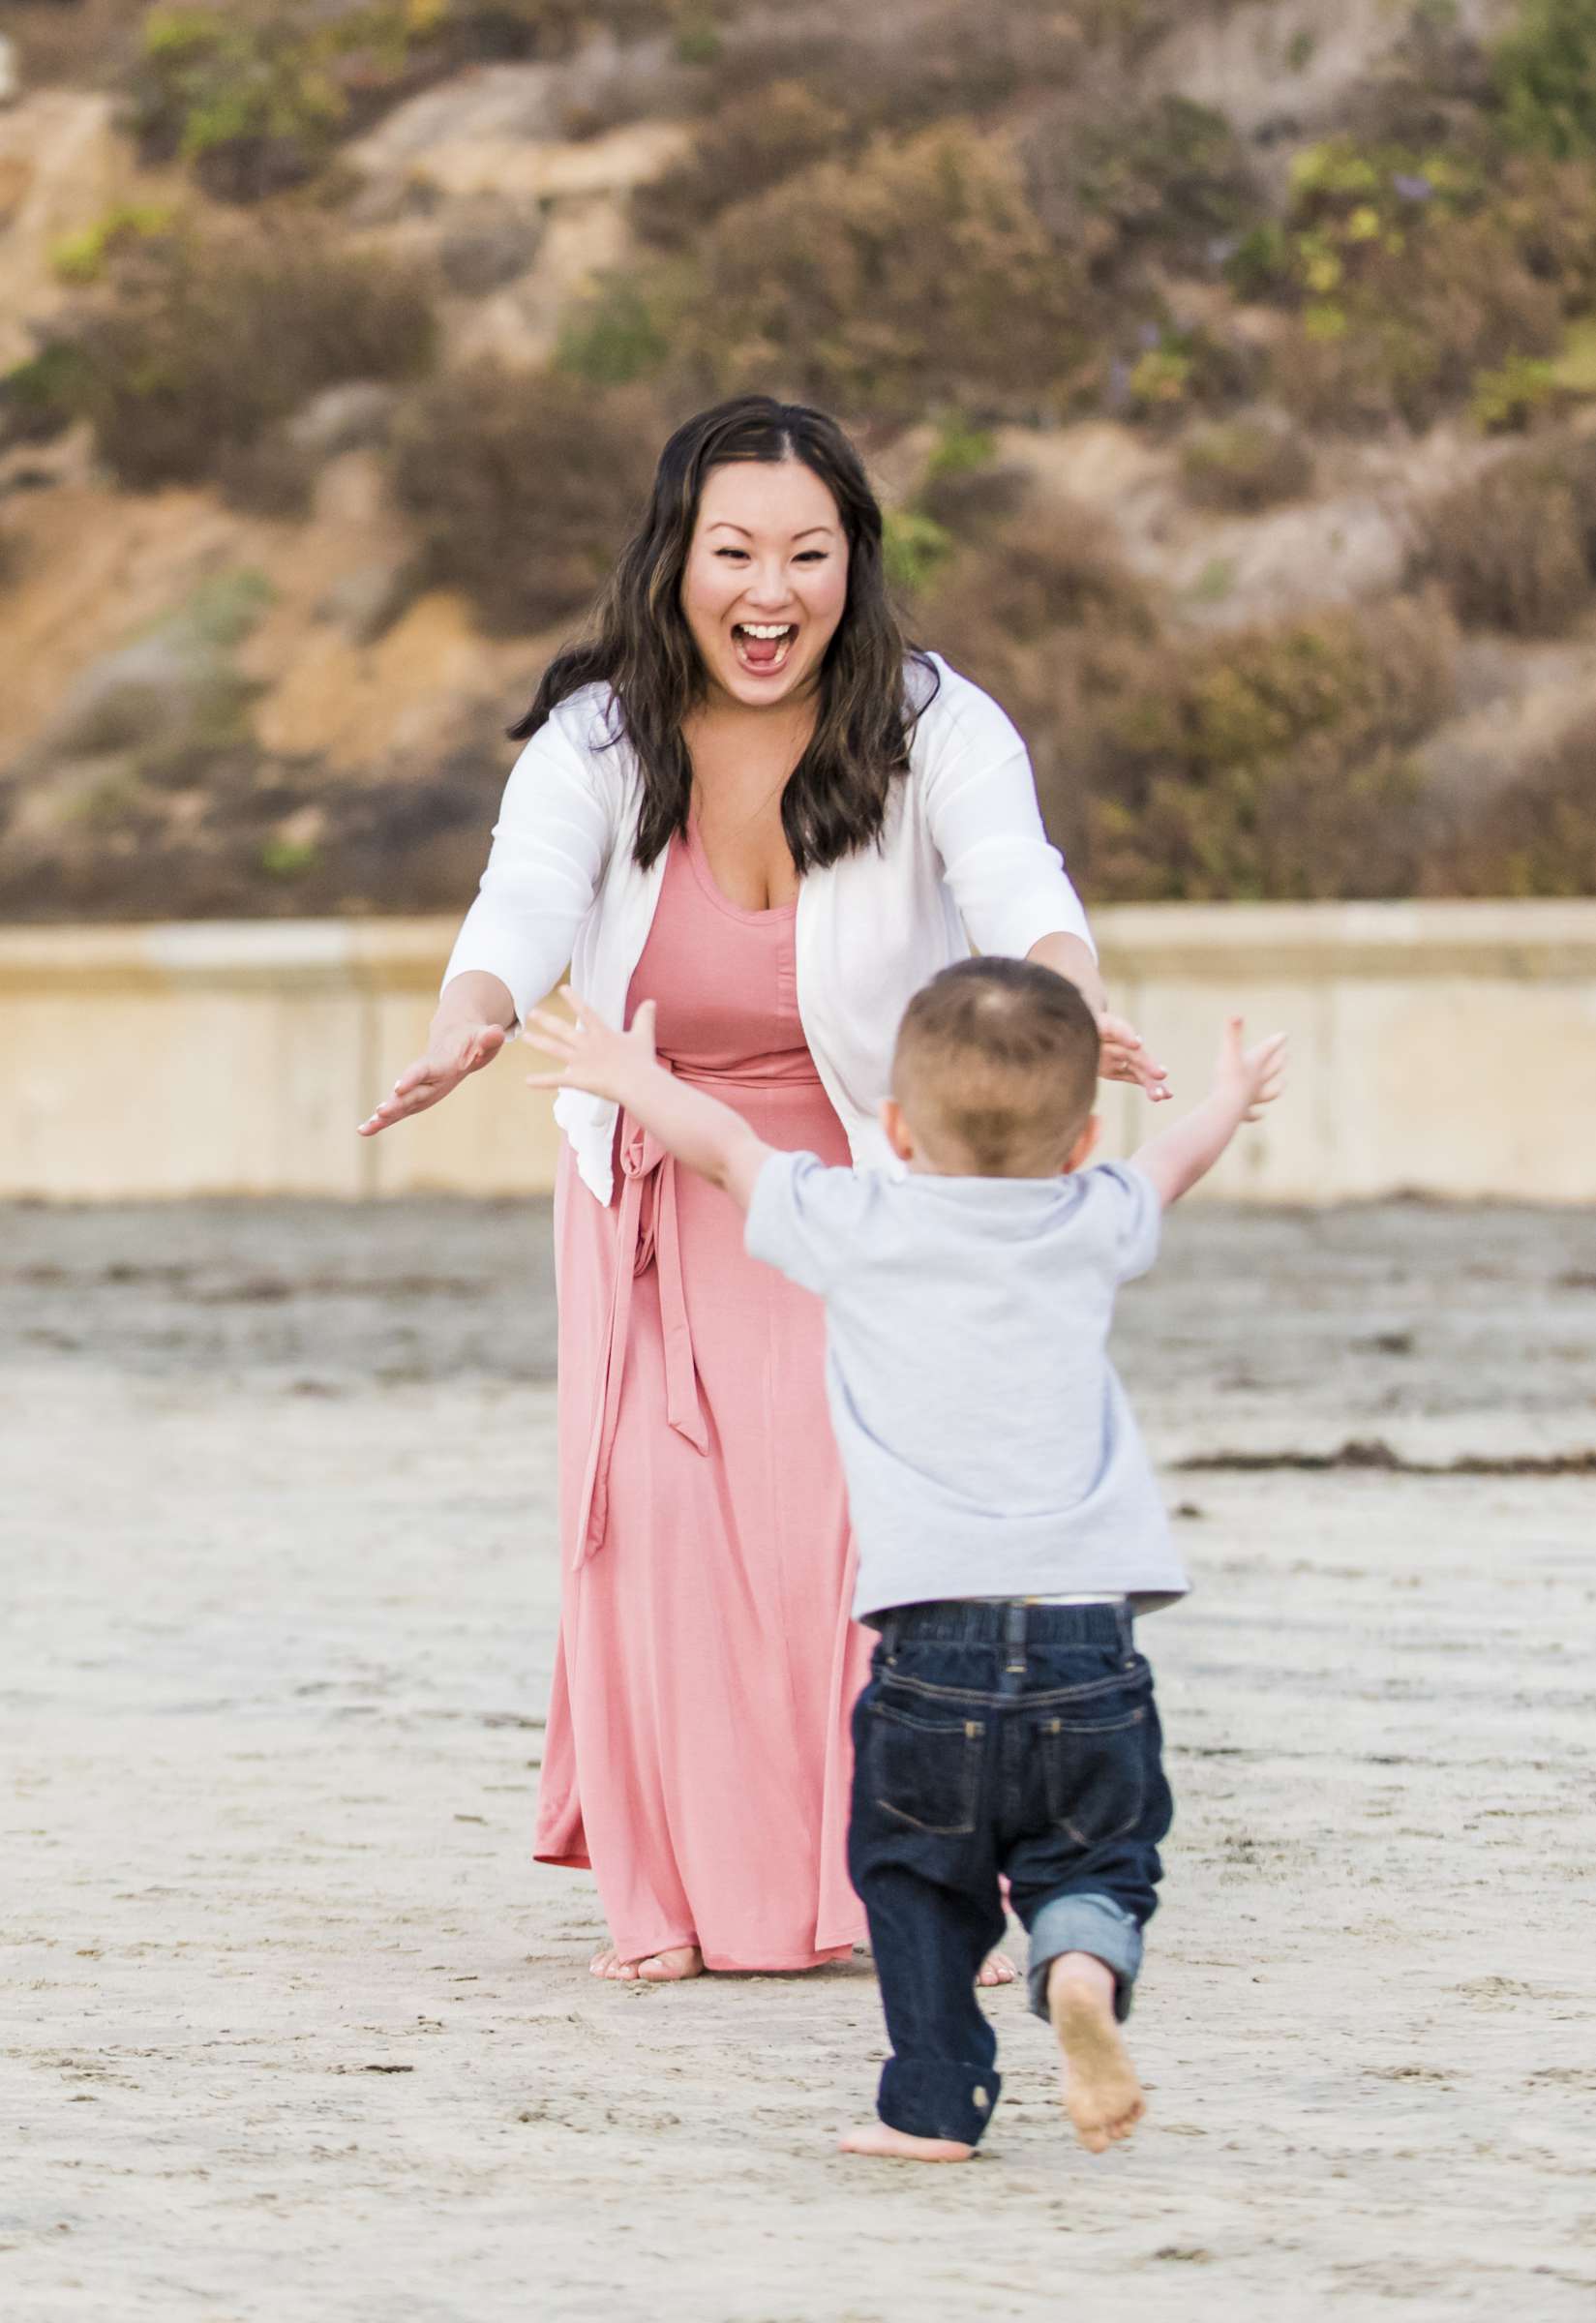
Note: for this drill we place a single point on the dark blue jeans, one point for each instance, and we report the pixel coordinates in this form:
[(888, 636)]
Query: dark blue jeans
[(997, 1738)]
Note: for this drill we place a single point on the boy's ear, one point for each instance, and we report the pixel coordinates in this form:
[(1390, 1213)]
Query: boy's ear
[(1085, 1145), (898, 1134)]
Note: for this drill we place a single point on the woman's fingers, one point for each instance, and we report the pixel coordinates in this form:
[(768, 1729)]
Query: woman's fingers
[(411, 1095), (1134, 1065), (1124, 1059), (465, 1050)]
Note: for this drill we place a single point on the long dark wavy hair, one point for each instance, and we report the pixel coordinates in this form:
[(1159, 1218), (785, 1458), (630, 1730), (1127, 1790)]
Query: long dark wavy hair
[(638, 643)]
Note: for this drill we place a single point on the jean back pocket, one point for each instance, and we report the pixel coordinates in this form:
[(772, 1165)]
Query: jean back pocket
[(926, 1772), (1095, 1772)]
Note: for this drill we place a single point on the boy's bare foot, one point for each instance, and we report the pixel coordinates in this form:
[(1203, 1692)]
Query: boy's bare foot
[(885, 2144), (1101, 2094), (996, 1969), (659, 1968)]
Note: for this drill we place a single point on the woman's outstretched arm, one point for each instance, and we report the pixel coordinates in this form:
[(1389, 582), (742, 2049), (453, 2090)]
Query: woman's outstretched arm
[(549, 844), (474, 1019), (1124, 1058), (1008, 879)]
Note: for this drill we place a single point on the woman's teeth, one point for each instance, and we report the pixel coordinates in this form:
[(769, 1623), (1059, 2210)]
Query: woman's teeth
[(763, 646)]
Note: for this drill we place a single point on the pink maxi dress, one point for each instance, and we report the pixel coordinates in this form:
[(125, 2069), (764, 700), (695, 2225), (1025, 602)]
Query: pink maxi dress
[(697, 1754)]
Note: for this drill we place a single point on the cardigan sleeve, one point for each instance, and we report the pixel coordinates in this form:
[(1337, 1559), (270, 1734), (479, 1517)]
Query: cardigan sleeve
[(1007, 878), (550, 847)]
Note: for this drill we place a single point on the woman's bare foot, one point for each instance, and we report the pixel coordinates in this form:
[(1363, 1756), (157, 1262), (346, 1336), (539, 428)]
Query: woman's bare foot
[(996, 1969), (883, 2144), (658, 1967), (609, 1965), (1101, 2094), (671, 1968)]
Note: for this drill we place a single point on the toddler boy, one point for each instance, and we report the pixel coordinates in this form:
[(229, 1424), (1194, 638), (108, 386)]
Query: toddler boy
[(1007, 1521)]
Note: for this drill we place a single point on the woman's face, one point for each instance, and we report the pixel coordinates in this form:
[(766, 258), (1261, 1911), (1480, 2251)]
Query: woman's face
[(766, 580)]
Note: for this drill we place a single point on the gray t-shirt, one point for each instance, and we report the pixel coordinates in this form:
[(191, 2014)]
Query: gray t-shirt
[(986, 1440)]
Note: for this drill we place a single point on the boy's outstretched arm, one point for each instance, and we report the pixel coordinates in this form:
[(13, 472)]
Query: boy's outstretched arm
[(1245, 1082), (697, 1130)]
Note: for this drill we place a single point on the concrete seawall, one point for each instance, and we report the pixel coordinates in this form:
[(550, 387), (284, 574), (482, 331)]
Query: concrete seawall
[(1446, 1048)]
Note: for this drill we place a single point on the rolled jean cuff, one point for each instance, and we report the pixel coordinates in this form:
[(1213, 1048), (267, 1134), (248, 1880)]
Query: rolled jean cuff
[(937, 2100), (1085, 1923)]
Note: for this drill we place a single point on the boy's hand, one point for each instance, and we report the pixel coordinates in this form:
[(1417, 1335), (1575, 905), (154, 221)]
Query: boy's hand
[(690, 1124), (593, 1056), (1249, 1078)]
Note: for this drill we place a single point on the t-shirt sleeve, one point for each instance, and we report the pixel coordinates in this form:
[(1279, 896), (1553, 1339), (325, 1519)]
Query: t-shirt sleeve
[(1128, 1214), (806, 1220)]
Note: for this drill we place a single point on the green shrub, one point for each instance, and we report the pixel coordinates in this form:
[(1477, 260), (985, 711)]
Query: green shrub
[(884, 72), (1505, 401), (919, 276), (755, 142), (255, 101), (969, 503), (1275, 761), (1047, 577), (1244, 466), (76, 45), (1548, 211), (1514, 547), (82, 258), (1168, 180), (1411, 336), (256, 98), (1545, 75), (1181, 372), (1425, 279), (209, 338), (1536, 835), (522, 486), (614, 336), (40, 399), (914, 548)]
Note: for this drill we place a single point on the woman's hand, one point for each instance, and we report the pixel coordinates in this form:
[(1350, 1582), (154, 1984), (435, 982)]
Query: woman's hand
[(454, 1052), (1124, 1058)]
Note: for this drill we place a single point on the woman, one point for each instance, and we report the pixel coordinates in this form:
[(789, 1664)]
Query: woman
[(742, 798)]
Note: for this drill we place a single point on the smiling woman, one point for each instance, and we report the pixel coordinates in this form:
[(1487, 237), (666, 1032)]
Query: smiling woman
[(746, 800)]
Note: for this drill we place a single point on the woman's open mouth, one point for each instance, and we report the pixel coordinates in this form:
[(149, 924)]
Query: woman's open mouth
[(763, 646)]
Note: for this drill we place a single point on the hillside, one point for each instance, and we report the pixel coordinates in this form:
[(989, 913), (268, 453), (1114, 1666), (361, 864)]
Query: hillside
[(1230, 379)]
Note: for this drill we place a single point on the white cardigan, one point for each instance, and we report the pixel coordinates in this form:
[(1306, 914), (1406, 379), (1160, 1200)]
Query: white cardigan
[(963, 859)]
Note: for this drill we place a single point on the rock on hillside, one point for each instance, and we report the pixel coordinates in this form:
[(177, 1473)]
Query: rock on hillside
[(62, 164)]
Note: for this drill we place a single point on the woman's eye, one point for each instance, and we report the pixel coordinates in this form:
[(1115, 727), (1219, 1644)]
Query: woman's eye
[(738, 553)]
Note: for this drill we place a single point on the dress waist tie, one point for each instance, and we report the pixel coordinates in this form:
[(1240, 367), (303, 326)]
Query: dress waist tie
[(646, 1235)]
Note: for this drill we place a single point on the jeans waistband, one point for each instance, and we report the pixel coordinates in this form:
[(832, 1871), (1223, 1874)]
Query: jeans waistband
[(1003, 1621)]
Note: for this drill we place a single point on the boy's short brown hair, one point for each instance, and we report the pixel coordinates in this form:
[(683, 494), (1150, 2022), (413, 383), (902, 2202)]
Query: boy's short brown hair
[(996, 1068)]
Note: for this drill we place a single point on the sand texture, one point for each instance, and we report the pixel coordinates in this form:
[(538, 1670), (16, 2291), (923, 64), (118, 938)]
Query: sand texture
[(295, 2031)]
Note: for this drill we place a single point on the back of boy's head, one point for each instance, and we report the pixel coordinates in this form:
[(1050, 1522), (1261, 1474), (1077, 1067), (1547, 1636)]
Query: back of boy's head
[(996, 1069)]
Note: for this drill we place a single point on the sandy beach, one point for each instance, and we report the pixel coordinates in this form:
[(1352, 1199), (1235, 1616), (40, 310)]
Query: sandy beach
[(296, 2032)]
